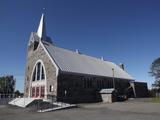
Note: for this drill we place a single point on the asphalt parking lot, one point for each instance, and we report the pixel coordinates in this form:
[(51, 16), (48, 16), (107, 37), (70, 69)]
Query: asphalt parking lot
[(132, 110)]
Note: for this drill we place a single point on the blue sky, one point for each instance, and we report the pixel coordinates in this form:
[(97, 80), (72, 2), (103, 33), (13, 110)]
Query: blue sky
[(122, 31)]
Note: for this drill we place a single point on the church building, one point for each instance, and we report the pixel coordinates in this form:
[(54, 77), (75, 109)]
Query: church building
[(71, 76)]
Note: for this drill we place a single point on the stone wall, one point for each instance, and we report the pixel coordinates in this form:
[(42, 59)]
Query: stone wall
[(32, 57)]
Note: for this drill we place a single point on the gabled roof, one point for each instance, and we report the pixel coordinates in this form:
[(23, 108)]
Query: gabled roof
[(70, 61), (73, 62)]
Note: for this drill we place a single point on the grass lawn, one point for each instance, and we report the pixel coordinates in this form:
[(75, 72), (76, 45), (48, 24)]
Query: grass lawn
[(156, 100)]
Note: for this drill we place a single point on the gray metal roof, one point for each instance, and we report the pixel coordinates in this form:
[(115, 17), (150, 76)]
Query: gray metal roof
[(70, 61)]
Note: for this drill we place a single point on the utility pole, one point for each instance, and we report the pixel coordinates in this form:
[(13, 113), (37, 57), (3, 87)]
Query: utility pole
[(113, 78)]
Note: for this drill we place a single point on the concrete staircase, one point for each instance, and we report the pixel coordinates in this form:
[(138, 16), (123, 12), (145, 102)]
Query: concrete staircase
[(22, 102)]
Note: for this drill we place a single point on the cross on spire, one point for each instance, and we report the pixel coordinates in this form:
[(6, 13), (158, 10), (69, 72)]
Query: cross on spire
[(44, 10)]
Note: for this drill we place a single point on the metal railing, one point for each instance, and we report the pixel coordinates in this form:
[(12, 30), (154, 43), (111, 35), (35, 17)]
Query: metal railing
[(50, 102)]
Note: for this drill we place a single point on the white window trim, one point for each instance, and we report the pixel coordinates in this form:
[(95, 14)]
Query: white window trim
[(37, 83), (33, 72)]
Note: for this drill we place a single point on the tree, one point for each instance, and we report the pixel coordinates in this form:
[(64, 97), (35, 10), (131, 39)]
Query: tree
[(7, 85), (18, 93), (155, 72)]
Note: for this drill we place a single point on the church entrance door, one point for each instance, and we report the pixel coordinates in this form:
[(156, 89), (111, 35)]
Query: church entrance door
[(38, 91)]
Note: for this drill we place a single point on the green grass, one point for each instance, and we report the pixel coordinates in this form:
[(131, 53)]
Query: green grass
[(156, 100)]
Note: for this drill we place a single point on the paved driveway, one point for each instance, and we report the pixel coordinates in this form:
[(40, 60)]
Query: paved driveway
[(140, 106), (98, 111)]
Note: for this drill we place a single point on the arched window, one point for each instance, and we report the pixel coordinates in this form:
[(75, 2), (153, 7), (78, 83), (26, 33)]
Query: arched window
[(38, 73)]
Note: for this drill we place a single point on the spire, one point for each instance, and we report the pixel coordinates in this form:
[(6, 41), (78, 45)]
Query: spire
[(41, 32)]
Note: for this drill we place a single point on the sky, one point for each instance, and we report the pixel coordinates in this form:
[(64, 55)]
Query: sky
[(121, 31)]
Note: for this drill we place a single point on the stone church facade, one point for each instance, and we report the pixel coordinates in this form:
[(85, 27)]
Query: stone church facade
[(70, 76), (39, 56)]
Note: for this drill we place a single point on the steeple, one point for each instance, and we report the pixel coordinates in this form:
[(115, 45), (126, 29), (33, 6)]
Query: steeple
[(41, 32)]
